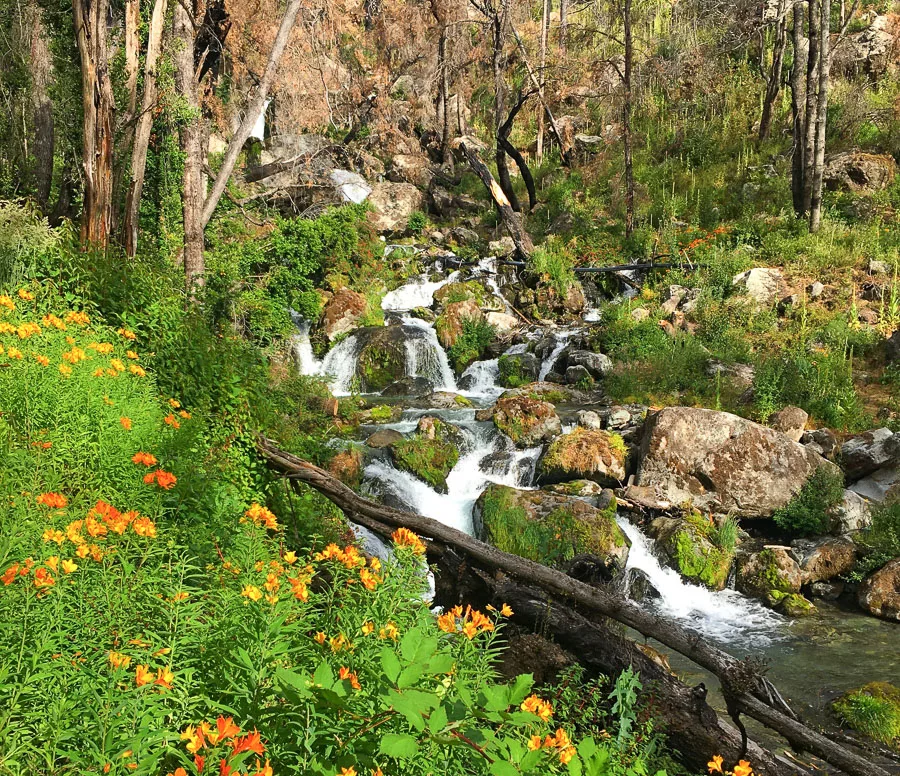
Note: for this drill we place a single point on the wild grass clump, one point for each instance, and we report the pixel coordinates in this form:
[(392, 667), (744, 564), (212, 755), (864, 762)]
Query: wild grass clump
[(809, 512), (873, 710)]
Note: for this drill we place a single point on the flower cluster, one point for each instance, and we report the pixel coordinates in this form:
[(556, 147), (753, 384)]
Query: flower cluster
[(560, 742), (223, 742), (165, 480), (277, 574), (537, 706), (707, 239), (53, 500), (260, 516), (470, 623), (743, 768), (403, 537)]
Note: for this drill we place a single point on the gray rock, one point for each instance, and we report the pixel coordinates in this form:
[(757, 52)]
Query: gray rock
[(892, 347), (502, 247), (588, 419), (741, 375), (464, 236), (577, 373), (407, 168), (639, 587), (673, 296), (617, 418), (877, 267), (527, 421), (816, 290), (790, 421), (640, 314), (864, 454), (763, 284), (503, 323), (859, 172), (441, 201), (409, 386), (822, 441), (879, 594), (598, 365), (852, 514), (722, 463), (880, 486), (393, 204), (824, 559), (827, 591), (384, 437)]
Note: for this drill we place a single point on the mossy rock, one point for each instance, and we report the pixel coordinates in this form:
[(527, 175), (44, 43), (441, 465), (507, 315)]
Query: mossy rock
[(791, 604), (584, 454), (873, 710), (469, 290), (688, 544), (431, 453), (549, 528), (526, 421), (381, 413), (382, 357), (769, 574), (518, 369)]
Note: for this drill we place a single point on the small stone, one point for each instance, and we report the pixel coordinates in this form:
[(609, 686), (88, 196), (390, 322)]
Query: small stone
[(788, 303), (618, 417), (868, 316), (464, 236), (597, 364), (762, 284), (384, 437), (640, 314), (436, 237), (816, 290), (879, 594), (877, 267), (588, 419), (827, 591), (865, 453), (502, 247), (790, 421)]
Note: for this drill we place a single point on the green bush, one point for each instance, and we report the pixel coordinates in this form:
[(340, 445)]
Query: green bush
[(471, 344), (809, 512), (417, 222), (554, 263)]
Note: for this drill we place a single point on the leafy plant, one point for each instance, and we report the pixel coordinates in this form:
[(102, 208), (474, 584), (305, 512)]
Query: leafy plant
[(472, 342), (416, 222), (809, 512)]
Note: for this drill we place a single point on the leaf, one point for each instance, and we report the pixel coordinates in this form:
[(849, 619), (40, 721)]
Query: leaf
[(390, 665), (438, 720), (587, 747), (410, 675), (520, 689), (501, 768), (496, 697), (324, 676), (292, 684), (399, 745), (443, 664)]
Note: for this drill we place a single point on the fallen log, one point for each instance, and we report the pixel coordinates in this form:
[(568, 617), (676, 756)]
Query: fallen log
[(743, 686)]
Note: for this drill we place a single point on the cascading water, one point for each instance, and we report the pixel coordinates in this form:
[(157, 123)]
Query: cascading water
[(416, 293), (725, 616), (467, 479), (425, 357), (562, 339)]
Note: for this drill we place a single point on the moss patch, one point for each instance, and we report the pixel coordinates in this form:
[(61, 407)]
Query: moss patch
[(696, 554), (512, 371), (873, 710), (379, 366), (431, 460)]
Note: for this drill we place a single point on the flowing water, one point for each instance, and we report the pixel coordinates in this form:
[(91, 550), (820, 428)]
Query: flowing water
[(812, 660)]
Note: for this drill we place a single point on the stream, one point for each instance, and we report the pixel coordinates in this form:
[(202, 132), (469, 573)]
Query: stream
[(812, 660)]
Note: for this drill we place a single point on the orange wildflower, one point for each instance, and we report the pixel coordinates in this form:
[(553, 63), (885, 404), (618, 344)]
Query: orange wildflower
[(42, 360), (25, 295), (164, 678), (369, 579), (52, 320), (142, 675), (403, 537), (506, 610), (171, 420), (7, 302), (261, 516), (389, 631), (53, 500), (320, 636), (69, 566), (743, 768), (43, 578), (137, 371), (290, 557), (144, 526), (194, 737), (144, 459), (127, 334), (132, 355), (9, 576), (538, 707), (345, 674), (103, 348), (126, 423), (65, 370), (118, 660), (534, 743), (14, 353), (225, 729), (78, 318), (249, 743), (165, 480), (715, 765), (348, 771)]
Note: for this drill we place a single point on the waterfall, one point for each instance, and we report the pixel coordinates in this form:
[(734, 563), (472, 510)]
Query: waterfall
[(416, 293), (725, 616), (562, 339), (482, 377), (303, 352), (425, 357), (467, 479)]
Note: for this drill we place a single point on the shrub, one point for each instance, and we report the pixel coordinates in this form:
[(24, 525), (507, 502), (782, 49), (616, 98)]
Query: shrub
[(809, 511), (470, 345), (417, 222), (873, 710), (554, 263)]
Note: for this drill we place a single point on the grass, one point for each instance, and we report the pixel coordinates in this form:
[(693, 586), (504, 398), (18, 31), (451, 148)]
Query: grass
[(873, 710), (809, 512)]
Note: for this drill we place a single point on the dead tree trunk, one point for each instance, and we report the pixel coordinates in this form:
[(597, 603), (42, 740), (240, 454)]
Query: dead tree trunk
[(511, 220), (818, 160), (773, 80), (98, 106), (504, 142), (191, 135), (748, 692), (563, 24), (439, 12), (545, 26), (798, 109), (41, 70), (143, 128), (253, 112), (626, 119)]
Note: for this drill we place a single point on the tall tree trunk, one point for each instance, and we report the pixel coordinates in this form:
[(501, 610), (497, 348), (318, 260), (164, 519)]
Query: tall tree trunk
[(143, 128), (626, 121), (773, 81), (798, 110), (254, 110), (563, 23), (191, 134), (439, 12), (545, 26), (132, 53), (98, 106), (814, 23), (504, 142), (44, 143), (824, 72), (498, 21)]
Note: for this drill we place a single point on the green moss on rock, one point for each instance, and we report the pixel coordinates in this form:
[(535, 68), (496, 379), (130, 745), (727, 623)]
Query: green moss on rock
[(379, 366), (430, 454)]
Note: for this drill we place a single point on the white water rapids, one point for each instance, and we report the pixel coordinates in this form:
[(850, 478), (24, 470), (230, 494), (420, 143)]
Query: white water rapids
[(488, 456)]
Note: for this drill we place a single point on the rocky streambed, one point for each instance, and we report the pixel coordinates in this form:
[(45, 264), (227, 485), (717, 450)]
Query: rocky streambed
[(513, 441)]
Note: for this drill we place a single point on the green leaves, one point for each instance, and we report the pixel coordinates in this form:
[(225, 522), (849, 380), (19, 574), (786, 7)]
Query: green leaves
[(399, 746)]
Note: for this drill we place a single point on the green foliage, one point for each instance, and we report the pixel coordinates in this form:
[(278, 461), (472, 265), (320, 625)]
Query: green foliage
[(725, 535), (417, 222), (471, 344), (430, 460), (25, 238), (880, 541), (809, 512), (873, 710), (554, 262), (511, 372)]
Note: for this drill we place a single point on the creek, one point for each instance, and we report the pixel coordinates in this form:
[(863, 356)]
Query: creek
[(812, 660)]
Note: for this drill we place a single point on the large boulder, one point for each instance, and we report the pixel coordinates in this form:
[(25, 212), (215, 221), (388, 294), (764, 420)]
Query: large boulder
[(880, 592), (722, 463), (342, 312), (410, 168), (859, 172), (469, 290), (790, 421), (431, 453), (865, 453), (393, 204), (852, 514), (882, 486), (518, 369), (584, 454), (823, 559), (597, 365), (774, 576), (382, 357), (764, 285), (528, 422), (550, 528), (869, 52), (691, 546)]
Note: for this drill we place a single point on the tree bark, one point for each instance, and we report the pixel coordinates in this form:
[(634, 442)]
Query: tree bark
[(509, 148), (812, 80), (749, 691), (44, 143), (818, 163), (132, 53), (773, 81), (191, 136), (98, 106), (254, 109), (798, 110), (143, 128), (563, 24), (511, 220), (545, 26), (498, 23), (626, 120)]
